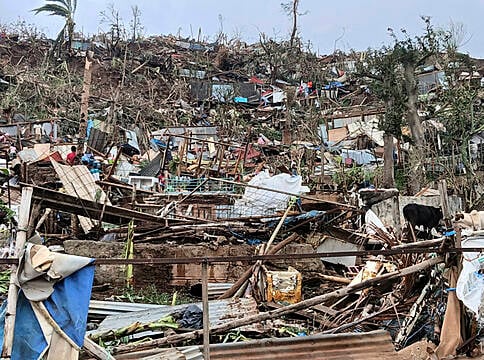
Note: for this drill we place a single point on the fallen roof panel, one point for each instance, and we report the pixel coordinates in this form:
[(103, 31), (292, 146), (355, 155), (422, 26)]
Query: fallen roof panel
[(351, 346)]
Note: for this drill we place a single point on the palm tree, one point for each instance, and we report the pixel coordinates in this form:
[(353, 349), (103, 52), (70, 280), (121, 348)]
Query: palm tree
[(65, 9)]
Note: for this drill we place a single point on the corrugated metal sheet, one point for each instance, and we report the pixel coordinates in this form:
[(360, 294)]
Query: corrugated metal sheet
[(97, 140), (181, 353), (219, 311), (106, 308), (153, 166), (361, 346), (199, 90), (9, 129), (78, 181), (353, 346)]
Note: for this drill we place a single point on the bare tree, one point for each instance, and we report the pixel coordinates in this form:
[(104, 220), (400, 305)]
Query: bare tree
[(292, 10), (117, 30), (135, 23)]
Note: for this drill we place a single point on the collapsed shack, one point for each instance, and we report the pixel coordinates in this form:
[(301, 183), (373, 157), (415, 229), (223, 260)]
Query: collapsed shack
[(291, 274), (291, 260), (215, 201)]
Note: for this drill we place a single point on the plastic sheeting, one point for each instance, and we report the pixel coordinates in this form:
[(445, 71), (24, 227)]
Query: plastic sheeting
[(361, 157), (470, 285), (258, 202), (68, 306), (371, 219)]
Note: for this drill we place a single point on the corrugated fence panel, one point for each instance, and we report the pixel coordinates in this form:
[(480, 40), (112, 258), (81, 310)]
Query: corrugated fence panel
[(357, 346)]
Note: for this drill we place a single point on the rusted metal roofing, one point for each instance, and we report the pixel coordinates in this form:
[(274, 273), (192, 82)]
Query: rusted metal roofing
[(352, 346)]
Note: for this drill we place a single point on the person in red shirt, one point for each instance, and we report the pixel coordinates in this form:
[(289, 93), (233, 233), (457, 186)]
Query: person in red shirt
[(71, 157)]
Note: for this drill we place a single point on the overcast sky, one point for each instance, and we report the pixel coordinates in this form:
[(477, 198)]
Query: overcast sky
[(351, 24)]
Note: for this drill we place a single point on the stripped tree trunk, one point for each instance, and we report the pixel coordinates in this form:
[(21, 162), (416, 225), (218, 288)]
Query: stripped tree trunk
[(417, 171), (388, 172), (86, 87)]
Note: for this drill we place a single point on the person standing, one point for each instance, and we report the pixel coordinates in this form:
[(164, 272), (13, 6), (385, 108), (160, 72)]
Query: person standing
[(71, 157)]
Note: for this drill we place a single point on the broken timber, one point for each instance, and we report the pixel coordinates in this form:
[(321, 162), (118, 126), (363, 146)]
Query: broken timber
[(74, 205), (173, 339)]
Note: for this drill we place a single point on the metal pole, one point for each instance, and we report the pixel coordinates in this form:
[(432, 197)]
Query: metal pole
[(206, 317)]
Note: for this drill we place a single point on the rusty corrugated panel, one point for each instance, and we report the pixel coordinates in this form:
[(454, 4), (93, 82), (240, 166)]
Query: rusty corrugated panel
[(354, 346)]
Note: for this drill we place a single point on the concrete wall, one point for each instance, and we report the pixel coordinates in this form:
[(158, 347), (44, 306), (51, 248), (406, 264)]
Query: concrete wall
[(383, 209)]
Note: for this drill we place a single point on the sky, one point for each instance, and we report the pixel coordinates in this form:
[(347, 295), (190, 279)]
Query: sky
[(327, 25)]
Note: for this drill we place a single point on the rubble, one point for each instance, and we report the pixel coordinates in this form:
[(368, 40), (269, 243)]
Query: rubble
[(206, 168)]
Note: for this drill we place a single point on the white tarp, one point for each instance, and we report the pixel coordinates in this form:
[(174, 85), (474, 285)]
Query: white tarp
[(372, 220), (368, 127), (256, 202), (470, 285)]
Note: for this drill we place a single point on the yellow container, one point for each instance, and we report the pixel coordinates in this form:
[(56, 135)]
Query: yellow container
[(284, 286)]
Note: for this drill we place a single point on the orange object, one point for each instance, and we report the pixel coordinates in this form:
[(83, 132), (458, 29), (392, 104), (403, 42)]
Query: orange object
[(284, 286)]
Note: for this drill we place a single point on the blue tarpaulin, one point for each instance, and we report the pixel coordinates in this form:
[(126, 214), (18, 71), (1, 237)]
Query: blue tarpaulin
[(332, 85), (68, 306)]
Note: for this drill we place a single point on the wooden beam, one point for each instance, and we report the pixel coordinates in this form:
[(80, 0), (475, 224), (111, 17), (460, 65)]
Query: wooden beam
[(247, 320), (96, 351), (74, 205), (206, 317)]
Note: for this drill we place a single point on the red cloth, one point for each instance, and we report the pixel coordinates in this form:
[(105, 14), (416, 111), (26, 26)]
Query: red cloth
[(70, 158)]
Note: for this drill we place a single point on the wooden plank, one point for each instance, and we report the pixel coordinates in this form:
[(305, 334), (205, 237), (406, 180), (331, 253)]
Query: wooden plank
[(23, 222), (95, 350), (71, 204), (206, 315)]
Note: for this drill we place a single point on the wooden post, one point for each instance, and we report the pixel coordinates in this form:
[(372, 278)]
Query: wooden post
[(95, 350), (165, 153), (246, 275), (115, 162), (444, 202), (206, 317), (236, 168), (23, 222), (86, 86), (221, 157), (199, 164), (396, 215)]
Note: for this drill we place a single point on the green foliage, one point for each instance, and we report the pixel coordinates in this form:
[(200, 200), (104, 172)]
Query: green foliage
[(385, 68), (347, 177), (234, 336), (173, 164), (271, 133), (4, 281), (401, 180), (65, 9), (9, 213), (382, 67)]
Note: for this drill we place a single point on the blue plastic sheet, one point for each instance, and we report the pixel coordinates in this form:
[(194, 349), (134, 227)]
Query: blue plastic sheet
[(68, 306)]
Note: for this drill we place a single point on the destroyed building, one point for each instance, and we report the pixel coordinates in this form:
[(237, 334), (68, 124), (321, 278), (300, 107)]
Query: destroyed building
[(240, 180)]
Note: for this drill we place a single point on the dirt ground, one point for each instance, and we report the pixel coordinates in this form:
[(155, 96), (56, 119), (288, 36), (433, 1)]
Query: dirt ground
[(418, 351)]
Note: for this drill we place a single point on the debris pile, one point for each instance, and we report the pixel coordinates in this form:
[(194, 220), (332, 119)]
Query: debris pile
[(226, 172)]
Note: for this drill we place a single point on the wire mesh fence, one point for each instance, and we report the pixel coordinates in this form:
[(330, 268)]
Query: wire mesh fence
[(185, 184)]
